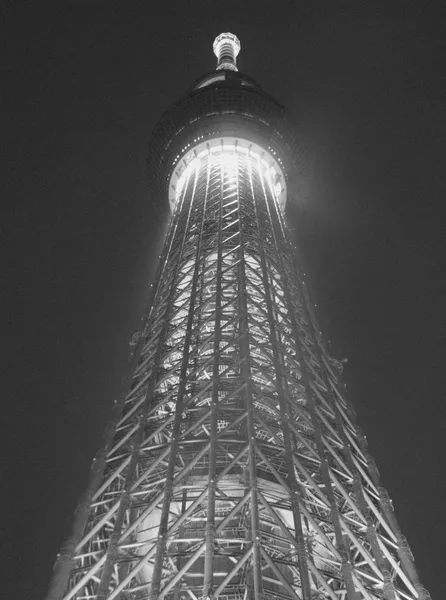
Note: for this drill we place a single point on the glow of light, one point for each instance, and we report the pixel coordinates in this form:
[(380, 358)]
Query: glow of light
[(226, 152), (227, 160), (194, 164)]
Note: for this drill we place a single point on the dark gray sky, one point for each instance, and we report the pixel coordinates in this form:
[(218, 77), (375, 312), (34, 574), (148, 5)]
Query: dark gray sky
[(83, 84)]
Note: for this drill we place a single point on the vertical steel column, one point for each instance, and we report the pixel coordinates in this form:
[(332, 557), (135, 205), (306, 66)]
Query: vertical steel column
[(382, 561), (346, 565), (245, 368), (212, 476), (278, 368), (112, 550), (65, 561), (161, 545)]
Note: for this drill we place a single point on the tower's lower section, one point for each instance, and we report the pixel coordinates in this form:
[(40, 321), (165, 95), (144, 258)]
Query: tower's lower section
[(234, 468)]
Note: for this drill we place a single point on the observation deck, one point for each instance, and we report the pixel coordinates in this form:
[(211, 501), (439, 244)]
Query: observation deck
[(224, 104)]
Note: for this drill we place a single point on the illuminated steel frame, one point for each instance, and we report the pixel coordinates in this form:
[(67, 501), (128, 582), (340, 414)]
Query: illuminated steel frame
[(233, 467)]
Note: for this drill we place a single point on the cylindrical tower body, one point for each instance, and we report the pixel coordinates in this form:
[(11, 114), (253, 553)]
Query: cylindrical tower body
[(233, 466)]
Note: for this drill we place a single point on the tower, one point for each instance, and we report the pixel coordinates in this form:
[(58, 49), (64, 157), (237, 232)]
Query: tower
[(232, 466)]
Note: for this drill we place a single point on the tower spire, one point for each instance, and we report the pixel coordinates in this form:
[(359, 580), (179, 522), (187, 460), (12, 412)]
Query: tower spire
[(226, 48)]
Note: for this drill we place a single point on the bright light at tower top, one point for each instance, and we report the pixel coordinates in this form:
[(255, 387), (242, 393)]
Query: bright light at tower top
[(226, 48)]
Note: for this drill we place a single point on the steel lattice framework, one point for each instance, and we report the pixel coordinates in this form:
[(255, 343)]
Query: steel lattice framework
[(233, 466)]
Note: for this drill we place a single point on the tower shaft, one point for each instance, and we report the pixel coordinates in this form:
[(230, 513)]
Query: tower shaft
[(233, 467)]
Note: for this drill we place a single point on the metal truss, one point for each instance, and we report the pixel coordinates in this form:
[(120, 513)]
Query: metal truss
[(233, 466)]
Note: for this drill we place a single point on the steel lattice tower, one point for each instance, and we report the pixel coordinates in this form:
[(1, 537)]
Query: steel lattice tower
[(232, 467)]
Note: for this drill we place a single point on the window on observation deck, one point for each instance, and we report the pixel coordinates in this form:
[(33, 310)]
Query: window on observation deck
[(210, 80)]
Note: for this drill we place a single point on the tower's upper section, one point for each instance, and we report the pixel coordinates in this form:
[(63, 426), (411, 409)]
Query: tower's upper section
[(226, 48), (223, 104)]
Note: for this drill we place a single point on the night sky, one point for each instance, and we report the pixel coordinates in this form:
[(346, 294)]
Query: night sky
[(83, 84)]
